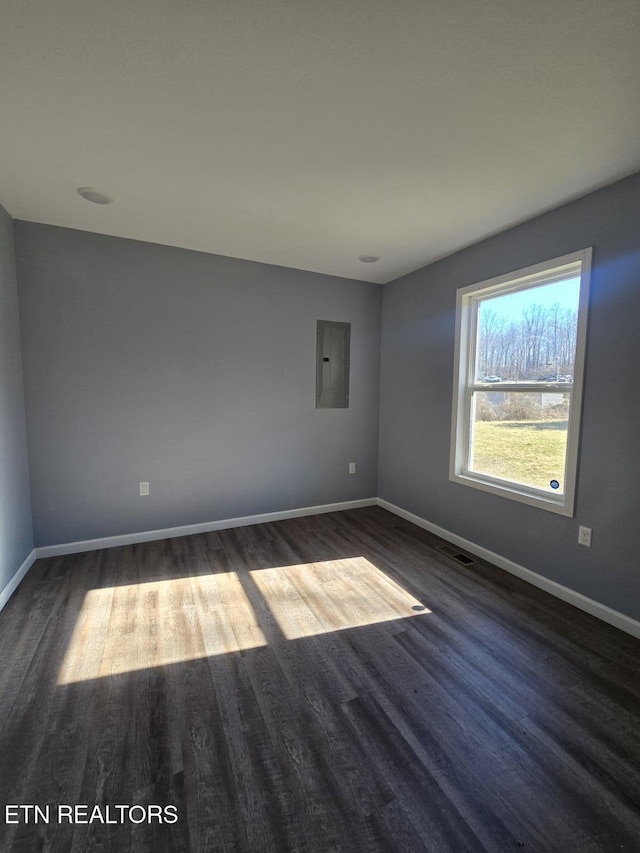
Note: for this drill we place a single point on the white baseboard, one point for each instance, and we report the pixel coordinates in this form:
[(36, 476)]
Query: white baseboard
[(188, 529), (601, 611), (11, 587)]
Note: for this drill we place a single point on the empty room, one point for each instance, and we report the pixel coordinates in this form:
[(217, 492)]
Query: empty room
[(319, 434)]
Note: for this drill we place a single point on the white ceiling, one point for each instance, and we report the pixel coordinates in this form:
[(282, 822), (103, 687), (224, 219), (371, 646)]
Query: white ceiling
[(307, 132)]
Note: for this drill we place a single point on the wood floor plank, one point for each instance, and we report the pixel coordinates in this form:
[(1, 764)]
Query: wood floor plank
[(330, 683), (311, 785), (431, 813)]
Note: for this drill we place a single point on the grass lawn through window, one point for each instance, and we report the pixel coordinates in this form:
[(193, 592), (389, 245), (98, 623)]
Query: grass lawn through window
[(531, 452)]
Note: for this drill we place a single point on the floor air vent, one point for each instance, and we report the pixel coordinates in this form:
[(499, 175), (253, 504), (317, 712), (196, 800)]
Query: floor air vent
[(452, 552)]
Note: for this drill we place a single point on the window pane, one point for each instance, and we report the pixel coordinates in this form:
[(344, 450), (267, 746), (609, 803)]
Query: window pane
[(521, 437), (528, 335)]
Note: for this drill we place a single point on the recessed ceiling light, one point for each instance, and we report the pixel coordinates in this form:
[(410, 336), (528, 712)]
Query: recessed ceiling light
[(94, 195), (369, 259)]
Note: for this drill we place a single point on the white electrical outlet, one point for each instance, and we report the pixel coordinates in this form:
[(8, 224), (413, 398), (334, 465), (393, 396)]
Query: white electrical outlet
[(143, 489), (352, 467), (584, 536)]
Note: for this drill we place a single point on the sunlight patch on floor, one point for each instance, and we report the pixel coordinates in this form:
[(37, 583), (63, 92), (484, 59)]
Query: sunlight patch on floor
[(334, 595), (141, 626)]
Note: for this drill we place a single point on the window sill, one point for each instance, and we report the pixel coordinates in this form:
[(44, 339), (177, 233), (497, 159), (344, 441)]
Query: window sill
[(562, 505)]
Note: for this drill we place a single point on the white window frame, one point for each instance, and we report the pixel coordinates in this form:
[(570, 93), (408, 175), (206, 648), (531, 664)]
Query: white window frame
[(465, 383)]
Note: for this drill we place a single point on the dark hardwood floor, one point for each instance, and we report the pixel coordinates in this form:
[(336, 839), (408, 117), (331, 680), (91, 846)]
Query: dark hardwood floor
[(329, 683)]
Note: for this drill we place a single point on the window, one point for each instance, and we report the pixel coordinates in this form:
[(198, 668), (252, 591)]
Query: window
[(520, 343)]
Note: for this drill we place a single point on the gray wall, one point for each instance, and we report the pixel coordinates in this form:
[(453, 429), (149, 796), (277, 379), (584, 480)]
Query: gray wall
[(192, 371), (16, 536), (416, 387)]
